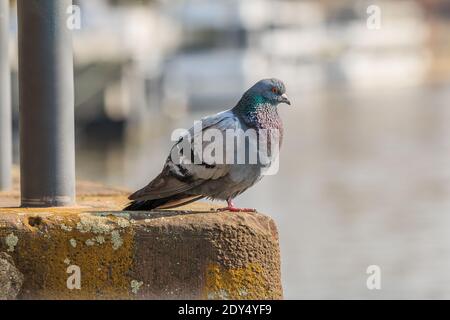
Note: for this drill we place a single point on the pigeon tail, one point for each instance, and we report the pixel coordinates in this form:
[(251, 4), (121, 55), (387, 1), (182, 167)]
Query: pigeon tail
[(162, 203), (140, 206)]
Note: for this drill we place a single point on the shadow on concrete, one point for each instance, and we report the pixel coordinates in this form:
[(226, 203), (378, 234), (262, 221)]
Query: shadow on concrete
[(142, 215)]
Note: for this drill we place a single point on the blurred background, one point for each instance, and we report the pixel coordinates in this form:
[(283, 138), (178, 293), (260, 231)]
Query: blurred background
[(365, 168)]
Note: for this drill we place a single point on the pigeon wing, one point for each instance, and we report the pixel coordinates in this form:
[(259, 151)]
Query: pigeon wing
[(179, 176)]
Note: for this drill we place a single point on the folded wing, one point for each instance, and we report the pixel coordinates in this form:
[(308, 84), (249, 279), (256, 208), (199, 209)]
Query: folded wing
[(179, 174)]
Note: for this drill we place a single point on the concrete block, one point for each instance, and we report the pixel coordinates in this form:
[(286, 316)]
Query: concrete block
[(96, 251)]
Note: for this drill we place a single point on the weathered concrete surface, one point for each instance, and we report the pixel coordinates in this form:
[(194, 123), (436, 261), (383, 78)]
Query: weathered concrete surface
[(193, 253), (11, 279)]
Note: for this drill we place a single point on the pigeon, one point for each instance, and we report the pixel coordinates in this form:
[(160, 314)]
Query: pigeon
[(187, 176)]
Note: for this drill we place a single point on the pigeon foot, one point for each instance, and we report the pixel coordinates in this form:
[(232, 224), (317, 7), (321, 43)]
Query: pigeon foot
[(232, 208)]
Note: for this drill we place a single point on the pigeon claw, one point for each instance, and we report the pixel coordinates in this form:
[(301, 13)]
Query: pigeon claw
[(232, 208)]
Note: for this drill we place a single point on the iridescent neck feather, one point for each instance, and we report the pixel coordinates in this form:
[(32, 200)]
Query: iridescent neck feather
[(258, 112)]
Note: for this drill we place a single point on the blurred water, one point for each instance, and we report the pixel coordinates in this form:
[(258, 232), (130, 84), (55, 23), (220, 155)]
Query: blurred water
[(364, 179)]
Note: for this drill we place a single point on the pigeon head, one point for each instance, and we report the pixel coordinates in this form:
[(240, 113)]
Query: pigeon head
[(269, 91)]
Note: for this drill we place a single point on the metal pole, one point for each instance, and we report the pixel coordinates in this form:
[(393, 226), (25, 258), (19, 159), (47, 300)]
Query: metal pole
[(46, 99), (5, 100)]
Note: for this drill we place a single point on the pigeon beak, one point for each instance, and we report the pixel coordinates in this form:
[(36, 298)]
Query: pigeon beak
[(285, 99)]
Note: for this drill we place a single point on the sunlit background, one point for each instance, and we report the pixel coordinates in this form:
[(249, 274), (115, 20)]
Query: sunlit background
[(365, 169)]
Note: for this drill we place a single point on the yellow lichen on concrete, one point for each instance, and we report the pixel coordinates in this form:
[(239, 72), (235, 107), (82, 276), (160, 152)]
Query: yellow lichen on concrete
[(46, 242), (236, 284), (104, 265)]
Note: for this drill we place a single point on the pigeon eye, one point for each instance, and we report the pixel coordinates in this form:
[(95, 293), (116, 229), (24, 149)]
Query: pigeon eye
[(274, 90)]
